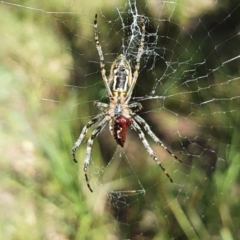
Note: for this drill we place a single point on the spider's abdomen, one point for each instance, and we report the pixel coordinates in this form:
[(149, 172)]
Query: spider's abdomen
[(120, 128)]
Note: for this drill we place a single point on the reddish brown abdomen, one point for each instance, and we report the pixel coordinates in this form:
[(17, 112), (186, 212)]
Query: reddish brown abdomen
[(120, 129)]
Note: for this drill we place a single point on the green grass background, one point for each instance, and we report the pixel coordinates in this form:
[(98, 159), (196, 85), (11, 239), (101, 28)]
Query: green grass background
[(44, 194)]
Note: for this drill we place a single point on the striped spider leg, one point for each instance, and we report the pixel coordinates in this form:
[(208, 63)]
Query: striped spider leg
[(153, 136)]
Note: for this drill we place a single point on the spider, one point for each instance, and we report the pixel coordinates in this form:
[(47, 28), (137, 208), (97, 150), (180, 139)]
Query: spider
[(119, 113)]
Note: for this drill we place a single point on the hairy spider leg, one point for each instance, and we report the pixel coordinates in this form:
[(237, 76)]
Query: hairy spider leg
[(83, 133), (102, 107), (100, 53), (148, 148), (136, 105), (94, 134), (141, 121)]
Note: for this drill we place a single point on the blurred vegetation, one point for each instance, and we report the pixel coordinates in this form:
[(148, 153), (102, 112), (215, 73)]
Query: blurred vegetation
[(49, 80)]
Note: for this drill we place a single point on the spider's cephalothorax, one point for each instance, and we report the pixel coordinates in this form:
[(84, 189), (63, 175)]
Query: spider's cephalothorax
[(119, 113)]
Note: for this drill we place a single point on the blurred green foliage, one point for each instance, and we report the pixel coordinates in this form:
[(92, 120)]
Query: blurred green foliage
[(47, 48)]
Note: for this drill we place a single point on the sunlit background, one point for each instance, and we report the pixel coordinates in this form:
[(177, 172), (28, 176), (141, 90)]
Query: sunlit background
[(188, 86)]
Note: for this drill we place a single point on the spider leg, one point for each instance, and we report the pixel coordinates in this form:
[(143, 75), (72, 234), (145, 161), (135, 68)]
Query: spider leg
[(154, 137), (83, 133), (100, 53), (148, 148), (111, 126), (94, 134), (101, 105), (137, 66), (136, 105)]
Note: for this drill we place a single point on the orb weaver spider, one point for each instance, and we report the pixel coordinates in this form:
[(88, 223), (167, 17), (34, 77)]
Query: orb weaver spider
[(118, 114)]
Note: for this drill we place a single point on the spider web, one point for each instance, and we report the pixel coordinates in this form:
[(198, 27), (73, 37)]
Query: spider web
[(188, 85)]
